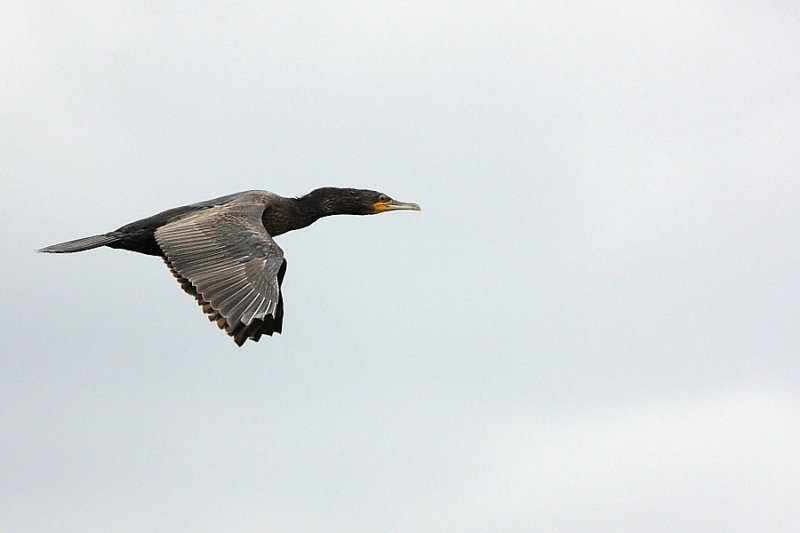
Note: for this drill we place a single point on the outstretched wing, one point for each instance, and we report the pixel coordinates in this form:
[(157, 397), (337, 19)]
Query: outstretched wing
[(224, 257)]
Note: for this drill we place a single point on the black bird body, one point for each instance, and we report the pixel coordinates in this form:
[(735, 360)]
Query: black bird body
[(139, 236), (222, 252)]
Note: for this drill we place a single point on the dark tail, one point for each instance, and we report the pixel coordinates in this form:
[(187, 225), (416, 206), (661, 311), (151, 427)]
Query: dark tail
[(78, 245)]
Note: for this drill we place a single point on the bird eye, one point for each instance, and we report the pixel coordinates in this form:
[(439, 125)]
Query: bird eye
[(383, 198)]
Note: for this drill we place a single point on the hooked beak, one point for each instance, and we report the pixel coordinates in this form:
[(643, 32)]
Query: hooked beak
[(394, 205)]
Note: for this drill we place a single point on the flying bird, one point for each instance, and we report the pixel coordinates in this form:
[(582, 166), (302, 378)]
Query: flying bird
[(222, 251)]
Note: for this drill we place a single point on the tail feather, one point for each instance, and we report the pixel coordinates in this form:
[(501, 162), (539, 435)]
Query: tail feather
[(78, 245)]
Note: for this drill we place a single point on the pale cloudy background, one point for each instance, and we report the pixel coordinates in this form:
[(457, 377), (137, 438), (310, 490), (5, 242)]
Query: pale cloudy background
[(591, 326)]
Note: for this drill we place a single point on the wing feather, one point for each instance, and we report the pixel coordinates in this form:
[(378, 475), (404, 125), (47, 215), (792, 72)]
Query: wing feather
[(224, 257)]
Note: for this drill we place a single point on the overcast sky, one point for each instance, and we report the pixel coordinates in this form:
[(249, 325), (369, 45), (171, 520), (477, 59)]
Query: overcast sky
[(592, 324)]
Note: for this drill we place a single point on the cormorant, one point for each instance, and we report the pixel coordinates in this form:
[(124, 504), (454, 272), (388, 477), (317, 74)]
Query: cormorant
[(221, 251)]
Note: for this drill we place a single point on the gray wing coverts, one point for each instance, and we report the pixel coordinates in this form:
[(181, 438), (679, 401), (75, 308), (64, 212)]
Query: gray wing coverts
[(224, 257)]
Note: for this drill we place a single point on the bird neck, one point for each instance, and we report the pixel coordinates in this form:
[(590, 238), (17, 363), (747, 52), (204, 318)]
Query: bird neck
[(296, 213), (326, 202), (305, 210)]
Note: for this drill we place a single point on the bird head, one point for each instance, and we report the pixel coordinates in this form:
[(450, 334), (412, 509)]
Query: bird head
[(336, 201), (381, 203)]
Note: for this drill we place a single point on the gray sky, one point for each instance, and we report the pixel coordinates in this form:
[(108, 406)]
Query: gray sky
[(591, 326)]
